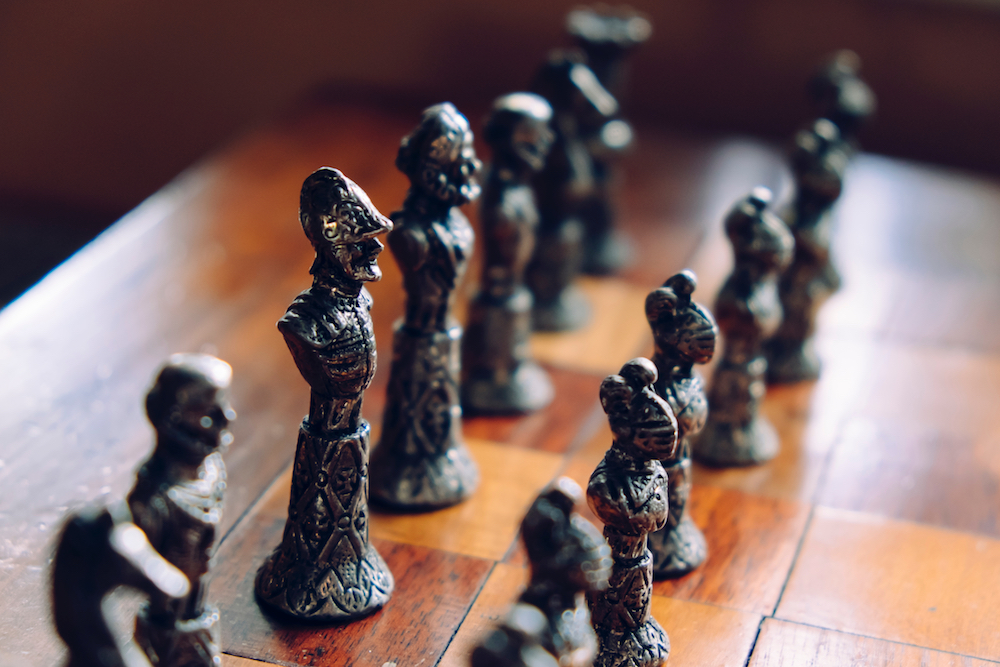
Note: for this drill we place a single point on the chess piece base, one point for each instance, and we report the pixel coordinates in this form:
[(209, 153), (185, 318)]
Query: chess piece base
[(677, 551), (792, 361), (725, 444), (607, 254), (646, 646), (568, 311), (527, 389), (424, 483), (187, 643)]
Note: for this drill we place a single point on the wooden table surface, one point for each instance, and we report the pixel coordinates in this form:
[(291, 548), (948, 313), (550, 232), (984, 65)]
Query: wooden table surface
[(874, 538)]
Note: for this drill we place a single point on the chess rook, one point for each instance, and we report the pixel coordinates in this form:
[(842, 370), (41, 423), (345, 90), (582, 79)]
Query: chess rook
[(748, 311), (499, 374), (421, 461), (684, 334), (628, 492), (325, 568)]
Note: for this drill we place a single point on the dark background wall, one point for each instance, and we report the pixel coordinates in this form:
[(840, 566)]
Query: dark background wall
[(103, 102)]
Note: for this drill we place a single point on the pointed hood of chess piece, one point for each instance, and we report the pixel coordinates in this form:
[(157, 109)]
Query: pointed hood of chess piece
[(684, 332), (642, 422)]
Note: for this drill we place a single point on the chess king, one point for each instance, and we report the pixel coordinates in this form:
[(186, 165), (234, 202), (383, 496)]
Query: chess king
[(421, 461), (177, 502), (325, 568)]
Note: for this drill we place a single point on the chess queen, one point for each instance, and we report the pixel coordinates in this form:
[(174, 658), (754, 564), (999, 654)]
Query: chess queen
[(628, 492), (421, 461), (325, 568)]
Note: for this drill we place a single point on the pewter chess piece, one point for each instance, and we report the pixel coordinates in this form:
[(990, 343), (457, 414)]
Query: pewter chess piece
[(421, 462), (97, 551), (177, 502), (748, 311), (516, 641), (499, 374), (325, 568), (628, 492), (684, 334), (580, 104), (838, 94), (607, 35), (818, 162)]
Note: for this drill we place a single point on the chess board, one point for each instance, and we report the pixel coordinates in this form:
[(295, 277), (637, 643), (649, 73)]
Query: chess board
[(873, 538)]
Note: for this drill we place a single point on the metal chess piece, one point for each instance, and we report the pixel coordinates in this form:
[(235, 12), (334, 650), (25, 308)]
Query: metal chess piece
[(98, 551), (818, 162), (684, 334), (607, 35), (421, 461), (838, 94), (499, 374), (177, 502), (748, 311), (516, 641), (325, 568), (628, 492), (580, 104)]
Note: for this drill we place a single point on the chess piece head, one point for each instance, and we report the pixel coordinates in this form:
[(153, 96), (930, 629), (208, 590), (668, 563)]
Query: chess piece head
[(189, 407), (761, 241), (683, 330), (518, 130), (342, 224), (838, 93), (565, 550), (572, 88), (643, 424), (819, 162), (607, 33), (438, 156)]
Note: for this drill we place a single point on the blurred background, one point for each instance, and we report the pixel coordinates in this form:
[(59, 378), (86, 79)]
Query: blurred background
[(102, 103)]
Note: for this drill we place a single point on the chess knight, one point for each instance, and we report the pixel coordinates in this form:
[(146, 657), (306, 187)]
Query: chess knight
[(684, 334), (325, 568), (177, 502), (421, 461), (628, 492)]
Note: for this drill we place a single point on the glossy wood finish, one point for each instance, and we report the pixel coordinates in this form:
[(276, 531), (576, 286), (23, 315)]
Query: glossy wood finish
[(902, 427)]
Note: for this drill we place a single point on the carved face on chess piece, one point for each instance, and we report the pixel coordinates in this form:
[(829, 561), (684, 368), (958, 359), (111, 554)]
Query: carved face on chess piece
[(342, 224), (439, 159), (642, 422), (518, 130), (683, 330), (189, 407)]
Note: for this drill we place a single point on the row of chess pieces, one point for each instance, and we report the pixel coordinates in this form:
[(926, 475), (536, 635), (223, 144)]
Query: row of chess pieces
[(546, 213)]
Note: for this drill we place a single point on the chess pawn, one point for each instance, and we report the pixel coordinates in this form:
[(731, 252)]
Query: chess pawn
[(177, 502), (569, 559), (579, 104), (684, 334), (607, 35), (748, 311), (421, 462), (837, 93), (325, 568), (628, 492), (499, 374), (818, 163), (98, 551)]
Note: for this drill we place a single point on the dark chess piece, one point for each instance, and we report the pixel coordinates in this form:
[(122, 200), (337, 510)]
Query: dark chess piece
[(177, 502), (838, 94), (748, 311), (516, 641), (607, 36), (818, 162), (499, 374), (325, 568), (684, 334), (628, 492), (580, 105), (98, 551), (421, 462)]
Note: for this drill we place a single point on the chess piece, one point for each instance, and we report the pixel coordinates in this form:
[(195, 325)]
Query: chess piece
[(98, 551), (500, 376), (818, 162), (325, 569), (607, 36), (177, 502), (748, 311), (579, 104), (628, 492), (684, 334), (516, 641), (421, 461), (838, 94)]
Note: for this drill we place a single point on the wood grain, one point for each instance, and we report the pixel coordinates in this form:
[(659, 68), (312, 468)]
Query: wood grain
[(783, 644), (897, 581)]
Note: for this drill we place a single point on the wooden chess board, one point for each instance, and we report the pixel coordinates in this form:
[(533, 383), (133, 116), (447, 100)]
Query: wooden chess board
[(874, 538)]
